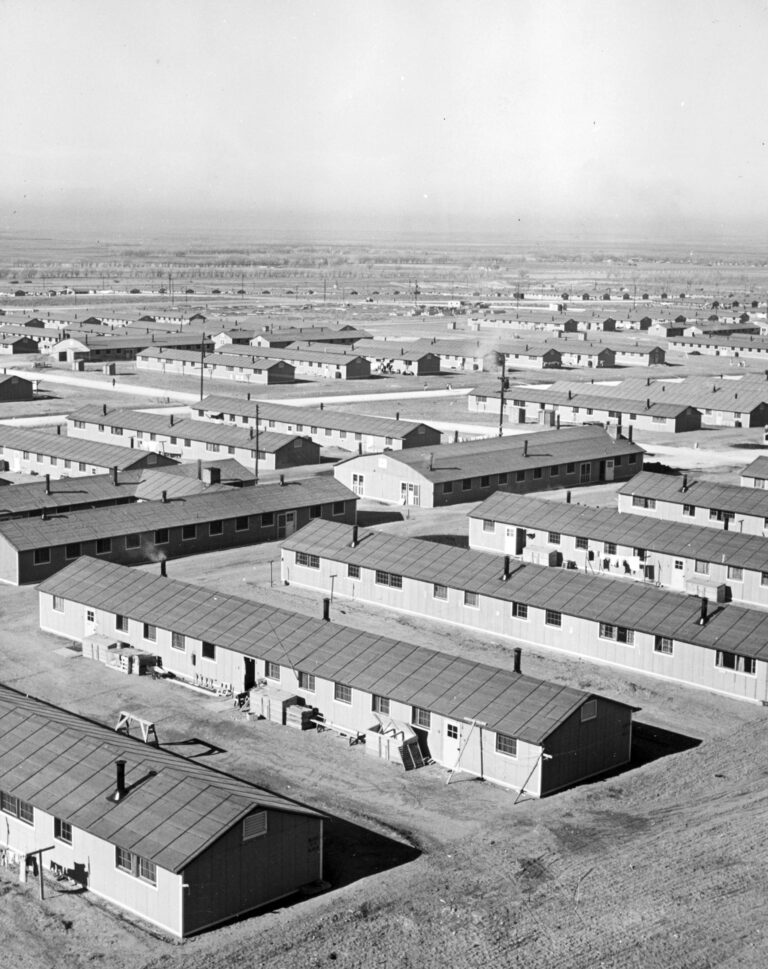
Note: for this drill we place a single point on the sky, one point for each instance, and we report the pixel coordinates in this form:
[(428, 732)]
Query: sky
[(533, 116)]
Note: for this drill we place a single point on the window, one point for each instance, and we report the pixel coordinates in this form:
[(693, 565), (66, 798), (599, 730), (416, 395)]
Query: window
[(582, 542), (135, 865), (609, 548), (209, 650), (58, 604), (679, 565), (570, 468), (132, 541), (439, 591), (471, 599), (466, 484), (447, 487), (717, 514), (103, 546), (452, 731), (639, 502), (381, 704), (485, 481), (90, 615), (389, 578), (308, 560), (178, 641), (739, 664), (121, 624), (503, 479), (702, 568), (25, 455), (42, 556), (161, 536), (519, 475), (22, 810), (589, 711), (353, 571), (271, 670), (342, 693), (735, 573), (506, 745), (519, 610), (538, 473), (489, 525), (618, 633), (553, 618), (338, 508), (72, 550), (689, 510), (553, 538), (81, 465), (124, 860), (241, 523), (307, 682), (62, 831), (216, 528), (255, 826), (150, 632), (663, 644), (421, 718)]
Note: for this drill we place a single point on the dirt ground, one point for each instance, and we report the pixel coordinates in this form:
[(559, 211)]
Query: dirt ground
[(654, 867), (661, 866)]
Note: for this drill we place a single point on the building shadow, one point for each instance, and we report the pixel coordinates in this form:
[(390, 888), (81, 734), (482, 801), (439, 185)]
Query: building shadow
[(458, 541), (206, 749), (376, 517)]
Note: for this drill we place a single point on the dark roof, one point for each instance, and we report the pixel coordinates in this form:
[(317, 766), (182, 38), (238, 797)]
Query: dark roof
[(704, 494), (80, 526), (207, 431), (334, 356), (68, 492), (635, 605), (635, 531), (311, 416), (71, 448), (521, 706), (757, 469), (449, 462), (552, 395), (65, 765)]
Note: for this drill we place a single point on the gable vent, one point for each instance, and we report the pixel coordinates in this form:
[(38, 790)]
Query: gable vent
[(255, 825)]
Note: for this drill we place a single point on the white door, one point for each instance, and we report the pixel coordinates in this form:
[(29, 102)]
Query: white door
[(451, 743), (609, 469), (414, 494), (90, 622), (286, 524), (358, 484)]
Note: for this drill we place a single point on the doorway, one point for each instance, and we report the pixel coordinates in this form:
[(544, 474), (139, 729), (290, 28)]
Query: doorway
[(249, 676), (286, 524)]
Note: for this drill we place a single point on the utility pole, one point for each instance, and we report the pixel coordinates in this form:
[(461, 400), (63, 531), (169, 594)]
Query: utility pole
[(256, 458), (202, 363), (503, 382)]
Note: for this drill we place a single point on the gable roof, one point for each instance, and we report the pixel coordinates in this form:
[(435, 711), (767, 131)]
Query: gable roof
[(64, 765), (75, 448), (705, 494), (636, 605), (512, 703)]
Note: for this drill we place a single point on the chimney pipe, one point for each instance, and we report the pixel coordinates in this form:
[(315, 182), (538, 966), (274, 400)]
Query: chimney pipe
[(525, 448), (354, 536), (397, 415), (568, 497), (431, 456), (119, 792), (170, 419), (58, 428), (199, 469), (165, 497), (163, 569), (505, 577), (685, 483), (630, 429), (282, 480), (47, 484), (703, 614), (327, 610), (114, 475), (104, 412), (516, 654)]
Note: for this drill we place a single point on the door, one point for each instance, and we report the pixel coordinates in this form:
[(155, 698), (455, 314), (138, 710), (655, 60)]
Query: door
[(585, 473), (90, 622), (249, 674), (451, 743), (414, 494), (358, 484), (520, 540), (286, 524), (521, 415), (609, 469)]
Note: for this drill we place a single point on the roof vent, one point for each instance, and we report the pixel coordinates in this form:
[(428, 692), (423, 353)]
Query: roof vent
[(120, 790)]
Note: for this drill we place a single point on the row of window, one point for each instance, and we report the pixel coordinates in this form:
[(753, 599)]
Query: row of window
[(189, 533), (538, 473)]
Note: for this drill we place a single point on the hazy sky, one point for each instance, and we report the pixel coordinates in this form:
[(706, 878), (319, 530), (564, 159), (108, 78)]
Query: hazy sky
[(447, 115)]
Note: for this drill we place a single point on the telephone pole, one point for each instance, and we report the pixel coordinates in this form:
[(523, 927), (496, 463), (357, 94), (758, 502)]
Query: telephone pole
[(202, 363), (256, 458), (501, 399)]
